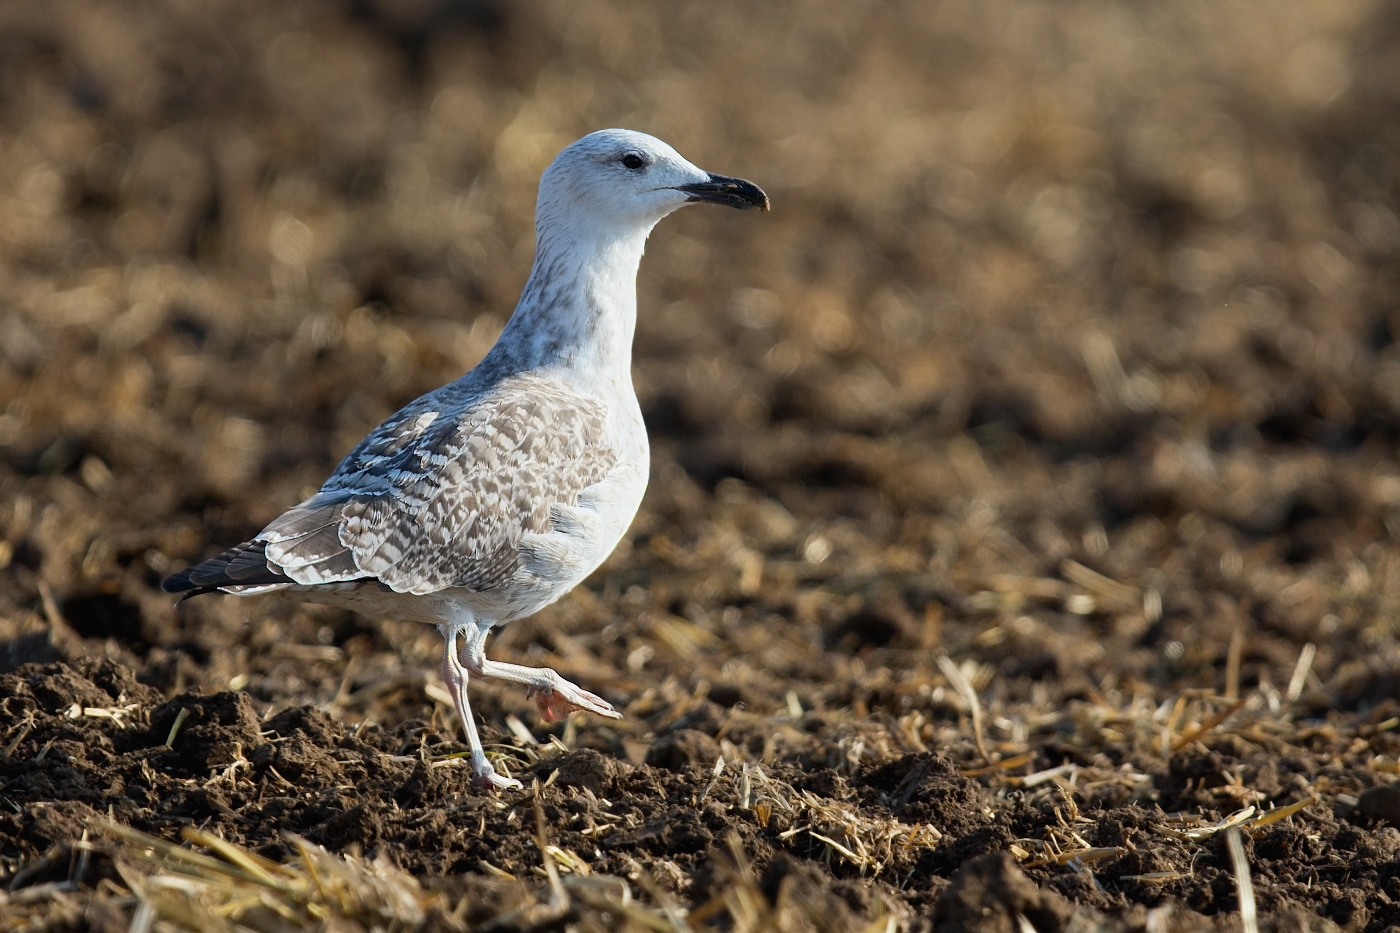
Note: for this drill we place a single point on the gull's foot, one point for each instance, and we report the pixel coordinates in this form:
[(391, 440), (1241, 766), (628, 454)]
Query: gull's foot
[(557, 702), (489, 778)]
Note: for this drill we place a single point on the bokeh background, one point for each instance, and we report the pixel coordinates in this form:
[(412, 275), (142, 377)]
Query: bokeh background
[(1068, 347), (1096, 281)]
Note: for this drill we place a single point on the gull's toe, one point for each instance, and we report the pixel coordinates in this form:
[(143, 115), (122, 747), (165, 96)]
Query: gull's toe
[(493, 780)]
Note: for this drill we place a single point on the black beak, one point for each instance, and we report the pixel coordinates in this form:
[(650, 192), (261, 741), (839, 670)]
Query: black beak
[(731, 192)]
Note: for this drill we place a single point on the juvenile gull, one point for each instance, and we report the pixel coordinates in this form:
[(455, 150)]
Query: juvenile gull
[(491, 497)]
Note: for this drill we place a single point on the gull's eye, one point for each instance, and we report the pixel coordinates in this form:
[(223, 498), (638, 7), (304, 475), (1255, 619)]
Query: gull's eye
[(632, 161)]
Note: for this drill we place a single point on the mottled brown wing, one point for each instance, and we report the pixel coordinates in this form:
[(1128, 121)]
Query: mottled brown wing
[(440, 494)]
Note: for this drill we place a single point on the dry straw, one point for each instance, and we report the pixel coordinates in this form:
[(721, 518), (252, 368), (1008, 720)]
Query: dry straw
[(173, 889), (232, 889), (1248, 916)]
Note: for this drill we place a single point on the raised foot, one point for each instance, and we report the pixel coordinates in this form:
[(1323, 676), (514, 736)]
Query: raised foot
[(559, 701)]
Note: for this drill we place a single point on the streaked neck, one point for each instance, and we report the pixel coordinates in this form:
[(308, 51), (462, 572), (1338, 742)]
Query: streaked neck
[(578, 310)]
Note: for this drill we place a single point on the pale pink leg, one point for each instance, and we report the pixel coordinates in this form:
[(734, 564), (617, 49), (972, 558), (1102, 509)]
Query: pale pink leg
[(455, 677)]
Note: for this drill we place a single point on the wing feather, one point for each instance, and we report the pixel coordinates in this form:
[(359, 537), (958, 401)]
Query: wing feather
[(440, 494)]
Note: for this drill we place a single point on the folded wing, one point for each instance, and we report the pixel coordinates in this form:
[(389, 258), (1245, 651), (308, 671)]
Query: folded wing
[(438, 496)]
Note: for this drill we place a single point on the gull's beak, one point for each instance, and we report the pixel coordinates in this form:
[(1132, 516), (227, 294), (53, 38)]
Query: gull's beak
[(731, 192)]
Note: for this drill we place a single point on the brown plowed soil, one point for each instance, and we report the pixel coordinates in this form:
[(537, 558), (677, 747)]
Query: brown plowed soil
[(1025, 500)]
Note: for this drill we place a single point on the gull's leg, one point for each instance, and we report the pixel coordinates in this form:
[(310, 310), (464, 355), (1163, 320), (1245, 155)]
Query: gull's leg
[(455, 677), (555, 696)]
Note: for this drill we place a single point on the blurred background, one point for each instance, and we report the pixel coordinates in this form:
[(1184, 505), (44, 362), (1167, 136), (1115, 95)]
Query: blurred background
[(1069, 345)]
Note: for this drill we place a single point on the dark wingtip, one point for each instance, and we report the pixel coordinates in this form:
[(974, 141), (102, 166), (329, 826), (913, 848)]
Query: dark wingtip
[(177, 582), (181, 586), (242, 565)]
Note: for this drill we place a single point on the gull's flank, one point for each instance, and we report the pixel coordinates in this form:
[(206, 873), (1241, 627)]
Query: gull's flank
[(491, 497)]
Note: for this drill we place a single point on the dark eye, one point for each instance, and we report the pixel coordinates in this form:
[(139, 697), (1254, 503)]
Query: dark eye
[(632, 161)]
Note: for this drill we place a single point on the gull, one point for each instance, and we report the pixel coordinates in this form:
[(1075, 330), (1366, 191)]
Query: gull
[(488, 499)]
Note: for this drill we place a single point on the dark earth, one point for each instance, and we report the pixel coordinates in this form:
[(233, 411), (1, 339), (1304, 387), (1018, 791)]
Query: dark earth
[(1024, 522)]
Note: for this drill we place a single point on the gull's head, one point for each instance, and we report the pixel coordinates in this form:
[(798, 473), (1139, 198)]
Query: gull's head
[(624, 179)]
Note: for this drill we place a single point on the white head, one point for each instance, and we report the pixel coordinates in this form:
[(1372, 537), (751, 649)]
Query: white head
[(598, 201), (627, 180)]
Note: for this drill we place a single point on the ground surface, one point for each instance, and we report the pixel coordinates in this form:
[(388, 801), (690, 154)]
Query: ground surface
[(1062, 379)]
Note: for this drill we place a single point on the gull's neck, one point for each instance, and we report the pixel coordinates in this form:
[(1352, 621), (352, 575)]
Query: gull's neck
[(578, 311)]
